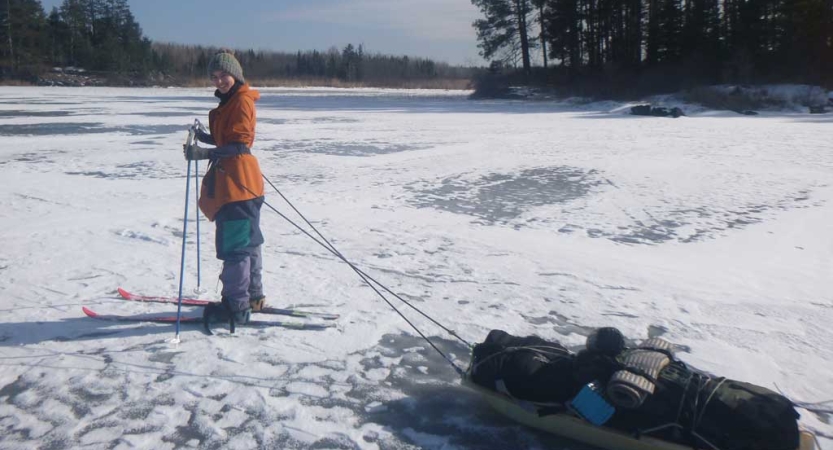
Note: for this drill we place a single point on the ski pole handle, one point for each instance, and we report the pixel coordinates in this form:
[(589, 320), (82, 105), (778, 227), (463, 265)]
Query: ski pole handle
[(198, 125), (192, 132)]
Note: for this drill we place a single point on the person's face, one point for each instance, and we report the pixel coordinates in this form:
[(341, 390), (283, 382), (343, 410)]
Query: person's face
[(222, 81)]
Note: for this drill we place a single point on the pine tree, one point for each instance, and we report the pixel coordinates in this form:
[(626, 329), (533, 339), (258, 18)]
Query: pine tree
[(7, 27), (57, 34), (664, 39), (542, 37), (803, 37), (564, 30), (504, 32), (22, 33)]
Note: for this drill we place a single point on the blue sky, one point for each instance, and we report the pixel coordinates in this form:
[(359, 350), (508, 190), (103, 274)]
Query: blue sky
[(437, 29)]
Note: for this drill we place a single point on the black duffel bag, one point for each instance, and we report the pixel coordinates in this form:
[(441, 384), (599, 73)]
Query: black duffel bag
[(713, 411), (529, 368)]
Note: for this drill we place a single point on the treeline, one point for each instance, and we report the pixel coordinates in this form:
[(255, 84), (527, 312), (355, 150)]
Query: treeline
[(351, 65), (93, 34), (103, 36), (676, 41)]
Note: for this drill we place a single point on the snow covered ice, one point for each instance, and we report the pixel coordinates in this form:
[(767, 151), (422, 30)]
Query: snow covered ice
[(712, 231)]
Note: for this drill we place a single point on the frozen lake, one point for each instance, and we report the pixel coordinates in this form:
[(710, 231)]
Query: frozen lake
[(712, 231)]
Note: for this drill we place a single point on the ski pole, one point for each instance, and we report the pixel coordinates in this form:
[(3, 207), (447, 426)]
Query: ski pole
[(197, 126), (188, 142), (197, 214)]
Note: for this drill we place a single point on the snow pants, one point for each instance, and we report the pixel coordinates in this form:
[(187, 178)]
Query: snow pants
[(238, 241)]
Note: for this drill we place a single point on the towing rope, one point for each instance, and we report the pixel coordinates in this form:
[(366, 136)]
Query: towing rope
[(369, 280)]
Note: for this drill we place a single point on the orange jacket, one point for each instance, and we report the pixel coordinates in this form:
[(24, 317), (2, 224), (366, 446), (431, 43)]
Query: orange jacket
[(234, 178)]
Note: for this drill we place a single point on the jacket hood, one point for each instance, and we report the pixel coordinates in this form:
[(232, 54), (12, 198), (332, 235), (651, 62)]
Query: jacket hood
[(249, 92)]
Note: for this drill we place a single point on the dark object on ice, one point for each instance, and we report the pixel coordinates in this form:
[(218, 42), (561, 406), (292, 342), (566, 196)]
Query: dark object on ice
[(641, 110), (665, 112), (683, 405), (648, 110), (817, 109), (747, 112)]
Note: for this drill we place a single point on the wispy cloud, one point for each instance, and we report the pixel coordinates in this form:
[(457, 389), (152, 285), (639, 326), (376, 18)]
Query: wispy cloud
[(424, 19)]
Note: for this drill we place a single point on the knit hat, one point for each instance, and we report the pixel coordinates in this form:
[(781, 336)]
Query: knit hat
[(225, 61), (606, 340)]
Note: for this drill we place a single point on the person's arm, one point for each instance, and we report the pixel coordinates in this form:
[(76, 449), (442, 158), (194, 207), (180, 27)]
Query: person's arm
[(242, 130), (205, 138)]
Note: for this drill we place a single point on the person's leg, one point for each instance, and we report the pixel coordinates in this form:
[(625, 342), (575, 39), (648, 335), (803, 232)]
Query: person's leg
[(236, 278), (238, 243), (255, 271), (256, 297), (255, 279), (232, 241)]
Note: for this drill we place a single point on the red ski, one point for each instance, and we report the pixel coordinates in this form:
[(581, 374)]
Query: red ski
[(147, 298)]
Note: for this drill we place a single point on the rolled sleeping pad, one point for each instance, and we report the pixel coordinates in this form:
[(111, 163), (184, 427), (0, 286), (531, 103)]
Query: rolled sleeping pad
[(629, 389)]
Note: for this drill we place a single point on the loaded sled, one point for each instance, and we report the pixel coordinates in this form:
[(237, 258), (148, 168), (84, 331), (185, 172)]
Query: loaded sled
[(620, 398)]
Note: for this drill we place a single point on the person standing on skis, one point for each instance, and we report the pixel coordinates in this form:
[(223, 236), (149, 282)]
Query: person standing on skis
[(232, 190)]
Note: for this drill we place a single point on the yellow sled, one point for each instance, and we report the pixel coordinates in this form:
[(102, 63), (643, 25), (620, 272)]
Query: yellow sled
[(571, 427)]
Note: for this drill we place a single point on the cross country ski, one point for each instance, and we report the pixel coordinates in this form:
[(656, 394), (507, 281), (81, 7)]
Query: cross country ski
[(199, 320), (125, 295)]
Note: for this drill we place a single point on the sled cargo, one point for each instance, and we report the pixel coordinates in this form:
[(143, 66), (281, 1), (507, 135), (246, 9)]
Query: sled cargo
[(619, 397), (572, 427)]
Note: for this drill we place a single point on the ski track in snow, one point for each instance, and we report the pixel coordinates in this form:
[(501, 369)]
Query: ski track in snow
[(712, 231)]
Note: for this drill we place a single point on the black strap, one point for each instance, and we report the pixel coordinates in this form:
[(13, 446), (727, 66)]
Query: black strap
[(217, 309), (230, 149), (231, 321), (207, 313)]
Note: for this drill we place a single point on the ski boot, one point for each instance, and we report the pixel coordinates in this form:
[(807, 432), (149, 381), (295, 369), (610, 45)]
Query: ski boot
[(222, 312), (257, 303)]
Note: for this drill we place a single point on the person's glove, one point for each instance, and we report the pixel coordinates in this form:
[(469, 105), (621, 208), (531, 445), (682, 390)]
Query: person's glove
[(194, 152)]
